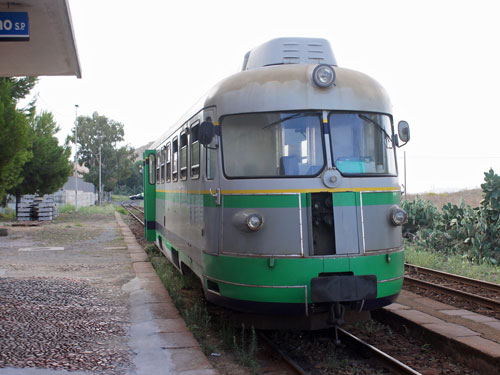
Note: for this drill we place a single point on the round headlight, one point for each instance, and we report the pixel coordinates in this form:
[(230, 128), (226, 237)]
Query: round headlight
[(398, 216), (254, 222), (323, 75)]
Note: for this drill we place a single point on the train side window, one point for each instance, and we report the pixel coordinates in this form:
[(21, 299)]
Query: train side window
[(175, 159), (152, 167), (210, 158), (158, 167), (195, 152), (162, 165), (184, 155), (168, 163)]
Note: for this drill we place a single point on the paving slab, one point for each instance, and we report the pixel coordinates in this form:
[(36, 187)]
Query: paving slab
[(456, 312), (143, 267), (451, 330), (138, 257), (495, 325), (483, 345), (397, 306), (176, 340), (188, 359), (415, 301), (479, 318), (418, 316), (171, 325)]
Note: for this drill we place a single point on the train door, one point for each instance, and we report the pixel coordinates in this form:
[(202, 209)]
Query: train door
[(212, 195), (149, 176)]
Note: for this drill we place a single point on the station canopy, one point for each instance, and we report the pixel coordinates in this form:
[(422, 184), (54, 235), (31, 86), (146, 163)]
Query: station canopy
[(37, 39)]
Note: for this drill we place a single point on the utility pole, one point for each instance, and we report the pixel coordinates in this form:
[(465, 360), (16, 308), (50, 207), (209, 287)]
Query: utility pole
[(405, 172), (76, 157), (100, 185)]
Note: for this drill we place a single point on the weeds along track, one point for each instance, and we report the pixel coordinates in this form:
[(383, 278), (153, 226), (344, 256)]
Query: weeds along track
[(479, 296)]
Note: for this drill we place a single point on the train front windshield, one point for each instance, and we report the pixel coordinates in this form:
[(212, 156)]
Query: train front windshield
[(362, 143), (281, 144)]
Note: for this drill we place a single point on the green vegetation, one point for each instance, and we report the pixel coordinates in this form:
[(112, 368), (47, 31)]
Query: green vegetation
[(105, 209), (245, 349), (458, 238), (453, 263), (98, 135), (8, 215), (132, 184), (119, 198), (49, 168), (14, 132)]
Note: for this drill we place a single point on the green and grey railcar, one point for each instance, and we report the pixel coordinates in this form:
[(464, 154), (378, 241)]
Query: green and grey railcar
[(279, 189)]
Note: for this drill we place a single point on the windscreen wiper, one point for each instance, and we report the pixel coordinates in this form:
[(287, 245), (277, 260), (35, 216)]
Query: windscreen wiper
[(295, 115), (379, 127)]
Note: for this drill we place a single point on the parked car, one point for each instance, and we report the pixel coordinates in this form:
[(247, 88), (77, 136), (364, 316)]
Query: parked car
[(137, 196)]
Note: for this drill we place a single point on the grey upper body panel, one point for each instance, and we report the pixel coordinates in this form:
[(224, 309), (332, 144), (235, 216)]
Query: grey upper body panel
[(290, 87)]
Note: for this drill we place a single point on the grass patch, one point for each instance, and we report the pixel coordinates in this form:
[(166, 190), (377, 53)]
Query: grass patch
[(119, 198), (105, 209), (8, 215), (245, 349), (456, 264), (121, 210)]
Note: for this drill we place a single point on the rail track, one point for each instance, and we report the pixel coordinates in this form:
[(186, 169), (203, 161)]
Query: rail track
[(480, 292), (129, 207), (384, 359)]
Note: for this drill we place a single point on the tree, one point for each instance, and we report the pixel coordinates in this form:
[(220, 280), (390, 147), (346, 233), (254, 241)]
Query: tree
[(133, 184), (50, 167), (14, 133), (99, 132)]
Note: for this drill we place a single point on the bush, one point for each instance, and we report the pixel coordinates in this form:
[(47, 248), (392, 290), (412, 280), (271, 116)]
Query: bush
[(472, 232), (421, 215)]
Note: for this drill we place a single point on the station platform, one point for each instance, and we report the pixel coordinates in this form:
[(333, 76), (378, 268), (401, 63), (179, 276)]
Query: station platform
[(159, 337), (468, 337)]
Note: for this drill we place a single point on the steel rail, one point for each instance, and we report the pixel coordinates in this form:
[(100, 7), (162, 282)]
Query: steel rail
[(138, 208), (466, 280), (132, 214), (395, 365), (290, 362), (488, 302)]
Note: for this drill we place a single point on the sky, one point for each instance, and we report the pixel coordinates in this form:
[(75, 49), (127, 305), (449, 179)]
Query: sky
[(144, 63)]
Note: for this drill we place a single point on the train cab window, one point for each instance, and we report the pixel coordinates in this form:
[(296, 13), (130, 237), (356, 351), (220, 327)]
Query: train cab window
[(158, 167), (184, 155), (195, 152), (175, 159), (168, 163), (273, 144), (152, 168), (362, 143), (162, 165)]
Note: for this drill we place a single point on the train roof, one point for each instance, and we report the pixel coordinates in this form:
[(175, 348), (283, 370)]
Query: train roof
[(290, 51), (277, 77), (290, 87)]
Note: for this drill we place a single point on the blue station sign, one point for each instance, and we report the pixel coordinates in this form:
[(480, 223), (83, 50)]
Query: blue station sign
[(14, 26)]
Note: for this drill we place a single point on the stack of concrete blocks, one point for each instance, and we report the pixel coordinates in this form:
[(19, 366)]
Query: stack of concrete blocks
[(47, 209), (25, 208), (32, 208)]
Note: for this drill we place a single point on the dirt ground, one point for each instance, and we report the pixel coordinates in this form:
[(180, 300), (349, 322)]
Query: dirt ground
[(471, 197), (61, 302)]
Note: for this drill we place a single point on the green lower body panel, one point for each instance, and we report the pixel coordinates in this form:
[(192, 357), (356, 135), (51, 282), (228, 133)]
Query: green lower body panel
[(288, 280)]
